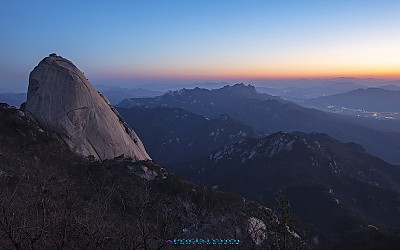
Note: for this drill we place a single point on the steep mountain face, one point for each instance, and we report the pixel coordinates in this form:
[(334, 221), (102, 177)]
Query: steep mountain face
[(269, 114), (52, 198), (371, 99), (62, 99), (332, 186), (174, 134)]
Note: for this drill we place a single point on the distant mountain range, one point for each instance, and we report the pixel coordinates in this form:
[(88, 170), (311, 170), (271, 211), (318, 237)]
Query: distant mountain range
[(14, 99), (271, 114), (295, 93), (116, 95), (335, 187), (391, 87), (301, 89), (371, 99), (174, 135), (211, 103)]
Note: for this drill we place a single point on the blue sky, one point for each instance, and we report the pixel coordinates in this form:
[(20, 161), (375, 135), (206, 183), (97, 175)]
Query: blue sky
[(167, 41)]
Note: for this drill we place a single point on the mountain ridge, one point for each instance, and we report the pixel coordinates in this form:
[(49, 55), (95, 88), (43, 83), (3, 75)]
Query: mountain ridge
[(383, 100), (334, 186), (271, 114)]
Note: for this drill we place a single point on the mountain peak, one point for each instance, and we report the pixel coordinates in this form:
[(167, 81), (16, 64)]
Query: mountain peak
[(62, 99), (240, 86), (54, 59)]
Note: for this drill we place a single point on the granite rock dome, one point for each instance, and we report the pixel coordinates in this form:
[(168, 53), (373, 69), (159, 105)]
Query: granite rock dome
[(62, 99)]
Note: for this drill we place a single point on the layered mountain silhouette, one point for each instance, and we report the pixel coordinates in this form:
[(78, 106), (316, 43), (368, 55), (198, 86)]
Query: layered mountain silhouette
[(202, 101), (335, 187), (371, 99), (307, 88), (391, 87), (271, 114)]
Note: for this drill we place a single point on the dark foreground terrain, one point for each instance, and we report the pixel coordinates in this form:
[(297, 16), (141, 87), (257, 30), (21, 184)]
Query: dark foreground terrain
[(53, 199)]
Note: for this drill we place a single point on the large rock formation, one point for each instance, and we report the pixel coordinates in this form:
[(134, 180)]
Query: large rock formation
[(62, 99)]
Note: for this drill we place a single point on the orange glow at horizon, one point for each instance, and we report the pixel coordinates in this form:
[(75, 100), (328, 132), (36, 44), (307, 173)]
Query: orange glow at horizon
[(348, 56), (302, 71), (345, 62)]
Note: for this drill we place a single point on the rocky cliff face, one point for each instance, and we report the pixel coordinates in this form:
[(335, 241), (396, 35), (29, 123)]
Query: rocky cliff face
[(62, 99)]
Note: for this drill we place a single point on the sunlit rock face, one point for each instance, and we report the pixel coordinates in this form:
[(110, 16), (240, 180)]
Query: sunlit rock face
[(62, 99)]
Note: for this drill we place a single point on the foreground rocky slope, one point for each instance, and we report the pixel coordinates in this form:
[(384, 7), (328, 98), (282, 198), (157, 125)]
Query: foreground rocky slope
[(52, 198), (62, 99)]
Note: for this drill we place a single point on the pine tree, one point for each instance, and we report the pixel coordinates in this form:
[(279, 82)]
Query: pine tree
[(286, 222)]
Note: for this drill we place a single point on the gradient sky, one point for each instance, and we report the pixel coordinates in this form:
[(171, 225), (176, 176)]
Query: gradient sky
[(188, 40)]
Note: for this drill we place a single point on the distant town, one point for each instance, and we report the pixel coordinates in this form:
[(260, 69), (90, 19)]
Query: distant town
[(364, 113)]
